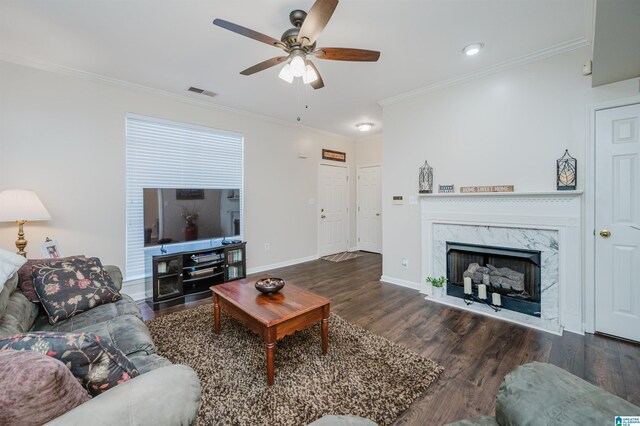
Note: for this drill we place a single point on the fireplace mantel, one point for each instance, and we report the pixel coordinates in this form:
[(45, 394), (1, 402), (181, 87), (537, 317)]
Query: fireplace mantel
[(512, 217), (502, 194)]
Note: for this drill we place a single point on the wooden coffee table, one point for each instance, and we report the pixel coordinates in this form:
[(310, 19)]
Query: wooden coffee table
[(271, 316)]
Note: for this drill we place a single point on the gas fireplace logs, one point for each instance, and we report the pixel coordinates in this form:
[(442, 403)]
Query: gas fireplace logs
[(500, 278)]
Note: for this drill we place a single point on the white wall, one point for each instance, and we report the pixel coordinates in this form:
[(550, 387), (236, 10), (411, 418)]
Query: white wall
[(369, 150), (506, 128), (64, 137)]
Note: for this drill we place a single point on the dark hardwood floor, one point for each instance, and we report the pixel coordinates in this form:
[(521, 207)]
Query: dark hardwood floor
[(476, 351)]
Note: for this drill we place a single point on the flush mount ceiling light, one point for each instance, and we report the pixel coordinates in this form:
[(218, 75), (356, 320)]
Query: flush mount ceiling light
[(364, 127), (473, 49)]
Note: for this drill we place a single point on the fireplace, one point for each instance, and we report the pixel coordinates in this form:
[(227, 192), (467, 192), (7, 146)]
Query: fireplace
[(513, 273)]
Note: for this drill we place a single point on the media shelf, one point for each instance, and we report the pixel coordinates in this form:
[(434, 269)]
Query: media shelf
[(175, 278)]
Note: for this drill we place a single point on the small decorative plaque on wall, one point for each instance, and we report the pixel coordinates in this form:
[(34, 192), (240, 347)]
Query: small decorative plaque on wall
[(494, 188), (328, 154), (445, 188), (189, 194)]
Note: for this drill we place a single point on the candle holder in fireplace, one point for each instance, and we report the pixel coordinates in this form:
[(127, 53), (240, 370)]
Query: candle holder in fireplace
[(470, 298)]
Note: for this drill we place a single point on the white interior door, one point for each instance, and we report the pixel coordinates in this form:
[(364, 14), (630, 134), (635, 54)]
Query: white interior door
[(617, 219), (333, 210), (369, 209)]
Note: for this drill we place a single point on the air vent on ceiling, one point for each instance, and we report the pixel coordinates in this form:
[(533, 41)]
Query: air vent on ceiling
[(202, 91)]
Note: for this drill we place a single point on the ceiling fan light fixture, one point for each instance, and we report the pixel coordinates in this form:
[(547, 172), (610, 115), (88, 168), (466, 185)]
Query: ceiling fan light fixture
[(473, 49), (298, 63), (310, 75), (364, 127), (286, 74)]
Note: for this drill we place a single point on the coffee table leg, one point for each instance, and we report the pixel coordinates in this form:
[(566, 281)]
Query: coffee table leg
[(270, 344), (325, 329), (216, 314)]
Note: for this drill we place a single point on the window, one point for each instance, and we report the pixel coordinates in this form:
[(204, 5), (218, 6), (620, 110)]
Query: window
[(166, 154)]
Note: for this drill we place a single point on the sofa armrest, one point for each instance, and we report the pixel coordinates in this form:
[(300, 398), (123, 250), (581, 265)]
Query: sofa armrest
[(116, 275), (543, 394), (165, 396)]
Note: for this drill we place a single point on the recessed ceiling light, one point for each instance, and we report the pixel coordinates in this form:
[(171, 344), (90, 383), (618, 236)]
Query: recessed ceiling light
[(364, 127), (473, 49)]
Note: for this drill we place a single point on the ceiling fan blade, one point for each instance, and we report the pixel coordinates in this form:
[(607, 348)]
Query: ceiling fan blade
[(318, 84), (345, 54), (316, 20), (247, 32), (263, 65)]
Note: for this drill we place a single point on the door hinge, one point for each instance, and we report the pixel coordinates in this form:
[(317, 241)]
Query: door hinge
[(358, 239), (358, 208)]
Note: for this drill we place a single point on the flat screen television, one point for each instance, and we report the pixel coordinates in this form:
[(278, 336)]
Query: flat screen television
[(175, 215)]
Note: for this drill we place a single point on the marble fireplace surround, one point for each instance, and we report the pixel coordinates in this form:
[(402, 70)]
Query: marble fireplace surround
[(545, 221)]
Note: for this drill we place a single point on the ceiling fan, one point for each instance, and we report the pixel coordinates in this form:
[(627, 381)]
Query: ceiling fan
[(299, 42)]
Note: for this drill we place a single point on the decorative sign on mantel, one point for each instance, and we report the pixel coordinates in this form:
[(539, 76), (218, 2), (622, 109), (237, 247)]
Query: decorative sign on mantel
[(445, 188), (328, 154), (494, 188)]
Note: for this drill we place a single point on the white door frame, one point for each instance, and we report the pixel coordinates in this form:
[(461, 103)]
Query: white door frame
[(344, 166), (364, 166), (590, 209)]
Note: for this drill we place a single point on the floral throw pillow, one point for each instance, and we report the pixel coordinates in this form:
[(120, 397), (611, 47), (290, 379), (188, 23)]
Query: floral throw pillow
[(25, 279), (93, 360), (69, 287)]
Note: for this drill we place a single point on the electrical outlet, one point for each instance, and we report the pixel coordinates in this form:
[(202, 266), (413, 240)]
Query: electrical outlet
[(405, 262), (267, 246)]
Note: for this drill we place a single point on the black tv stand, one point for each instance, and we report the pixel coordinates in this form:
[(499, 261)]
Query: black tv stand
[(184, 276)]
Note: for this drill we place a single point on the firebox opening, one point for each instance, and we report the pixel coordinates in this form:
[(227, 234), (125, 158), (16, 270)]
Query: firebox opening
[(513, 273)]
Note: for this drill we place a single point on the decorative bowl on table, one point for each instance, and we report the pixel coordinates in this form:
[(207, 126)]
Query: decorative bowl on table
[(269, 285)]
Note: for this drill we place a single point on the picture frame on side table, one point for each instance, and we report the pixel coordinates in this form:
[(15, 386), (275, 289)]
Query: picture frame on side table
[(51, 249)]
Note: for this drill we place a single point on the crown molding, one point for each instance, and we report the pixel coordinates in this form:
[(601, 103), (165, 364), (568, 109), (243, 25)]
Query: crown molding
[(502, 66), (85, 75)]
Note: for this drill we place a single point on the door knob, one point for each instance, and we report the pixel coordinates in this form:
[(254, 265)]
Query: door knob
[(322, 216), (377, 214), (605, 234)]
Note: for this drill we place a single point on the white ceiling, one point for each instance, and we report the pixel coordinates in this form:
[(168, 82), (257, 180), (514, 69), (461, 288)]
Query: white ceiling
[(171, 45)]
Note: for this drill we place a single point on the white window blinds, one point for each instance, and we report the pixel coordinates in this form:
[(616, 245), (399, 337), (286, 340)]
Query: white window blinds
[(165, 154)]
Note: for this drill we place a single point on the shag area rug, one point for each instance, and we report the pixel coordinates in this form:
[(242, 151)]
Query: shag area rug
[(363, 374), (341, 257)]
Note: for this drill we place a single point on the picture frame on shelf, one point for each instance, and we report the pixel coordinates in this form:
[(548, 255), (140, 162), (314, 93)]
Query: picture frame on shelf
[(51, 249)]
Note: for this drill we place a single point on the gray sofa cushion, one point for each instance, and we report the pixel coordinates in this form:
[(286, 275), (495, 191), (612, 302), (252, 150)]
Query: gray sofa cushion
[(116, 275), (18, 316), (476, 421), (106, 312), (145, 363), (127, 332), (9, 286), (166, 396), (543, 394)]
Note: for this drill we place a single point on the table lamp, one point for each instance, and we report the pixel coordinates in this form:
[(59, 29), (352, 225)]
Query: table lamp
[(22, 206)]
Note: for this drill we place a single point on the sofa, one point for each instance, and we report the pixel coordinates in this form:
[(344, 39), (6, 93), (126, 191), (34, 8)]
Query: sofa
[(543, 394), (163, 393)]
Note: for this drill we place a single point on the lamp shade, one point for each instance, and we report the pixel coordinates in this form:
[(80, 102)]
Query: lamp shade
[(19, 204)]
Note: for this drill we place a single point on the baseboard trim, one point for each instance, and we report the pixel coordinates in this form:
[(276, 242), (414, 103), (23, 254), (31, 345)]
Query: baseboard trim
[(400, 282), (258, 269), (135, 289)]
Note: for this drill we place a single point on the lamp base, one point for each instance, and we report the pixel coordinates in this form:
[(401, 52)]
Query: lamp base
[(21, 243)]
